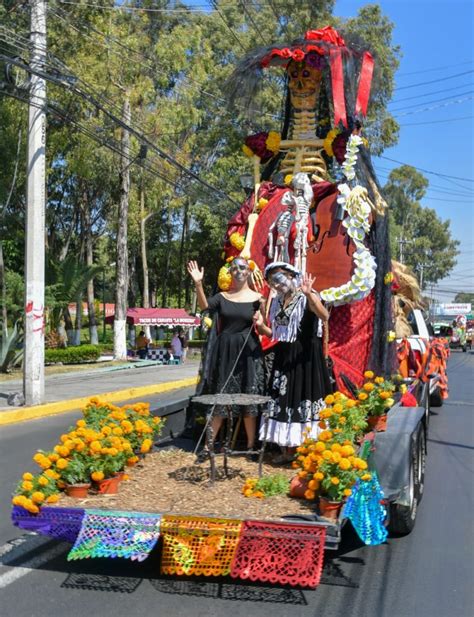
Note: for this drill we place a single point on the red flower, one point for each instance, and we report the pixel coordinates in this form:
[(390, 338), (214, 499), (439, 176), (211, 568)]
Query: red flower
[(258, 144), (327, 34), (339, 145), (284, 53), (298, 55)]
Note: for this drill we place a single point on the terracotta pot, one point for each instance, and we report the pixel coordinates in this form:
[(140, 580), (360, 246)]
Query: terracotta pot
[(78, 491), (378, 423), (109, 486), (298, 487), (329, 509)]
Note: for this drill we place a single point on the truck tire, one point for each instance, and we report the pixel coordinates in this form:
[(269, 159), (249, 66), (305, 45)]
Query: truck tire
[(402, 518), (435, 398)]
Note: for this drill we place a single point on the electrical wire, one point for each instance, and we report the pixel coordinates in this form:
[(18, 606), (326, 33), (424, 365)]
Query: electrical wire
[(437, 121), (418, 96), (434, 81), (454, 99), (426, 171)]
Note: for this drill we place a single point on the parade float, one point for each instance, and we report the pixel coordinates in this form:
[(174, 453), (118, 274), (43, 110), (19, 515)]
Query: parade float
[(316, 205)]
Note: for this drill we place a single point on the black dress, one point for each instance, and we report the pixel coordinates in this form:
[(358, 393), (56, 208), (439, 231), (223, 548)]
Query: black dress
[(235, 321), (299, 381)]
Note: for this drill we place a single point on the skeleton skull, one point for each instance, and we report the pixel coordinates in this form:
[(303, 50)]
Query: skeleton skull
[(304, 83)]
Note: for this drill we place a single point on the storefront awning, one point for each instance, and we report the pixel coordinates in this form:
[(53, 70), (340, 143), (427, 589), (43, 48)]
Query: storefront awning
[(158, 317)]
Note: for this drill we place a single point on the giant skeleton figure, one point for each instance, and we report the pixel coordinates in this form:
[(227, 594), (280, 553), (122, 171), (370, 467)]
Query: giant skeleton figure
[(316, 225)]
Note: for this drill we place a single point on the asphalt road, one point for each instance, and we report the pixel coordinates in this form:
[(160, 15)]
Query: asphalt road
[(429, 573)]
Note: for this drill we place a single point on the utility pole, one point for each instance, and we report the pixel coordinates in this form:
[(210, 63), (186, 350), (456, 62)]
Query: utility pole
[(33, 369), (121, 285)]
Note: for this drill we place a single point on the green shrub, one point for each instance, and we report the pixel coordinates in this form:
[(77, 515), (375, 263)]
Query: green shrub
[(196, 343), (73, 355)]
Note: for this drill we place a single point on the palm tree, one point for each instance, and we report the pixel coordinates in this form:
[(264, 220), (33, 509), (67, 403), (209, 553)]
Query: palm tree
[(66, 281)]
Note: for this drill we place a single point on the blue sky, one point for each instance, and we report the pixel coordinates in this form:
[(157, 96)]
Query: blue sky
[(436, 35)]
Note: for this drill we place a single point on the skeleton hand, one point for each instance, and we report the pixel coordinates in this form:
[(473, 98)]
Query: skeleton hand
[(257, 279)]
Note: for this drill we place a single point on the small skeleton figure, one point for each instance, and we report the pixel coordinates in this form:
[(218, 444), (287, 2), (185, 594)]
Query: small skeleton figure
[(283, 225), (301, 199)]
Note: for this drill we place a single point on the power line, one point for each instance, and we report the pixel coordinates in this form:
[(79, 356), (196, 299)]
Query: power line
[(418, 96), (437, 121), (436, 68), (426, 171), (434, 81), (446, 98), (119, 122)]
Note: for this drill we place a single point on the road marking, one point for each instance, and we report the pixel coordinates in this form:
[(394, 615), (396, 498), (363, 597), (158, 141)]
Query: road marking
[(14, 573)]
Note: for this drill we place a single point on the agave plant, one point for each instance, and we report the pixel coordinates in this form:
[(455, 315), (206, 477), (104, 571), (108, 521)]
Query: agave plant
[(11, 347)]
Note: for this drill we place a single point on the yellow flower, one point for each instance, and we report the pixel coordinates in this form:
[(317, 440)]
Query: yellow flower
[(27, 485), (335, 480), (237, 240), (42, 481), (81, 423), (388, 278), (19, 500), (338, 408), (389, 402), (327, 144), (362, 396), (53, 498), (368, 387), (320, 446), (28, 476), (288, 179), (146, 445), (347, 492), (379, 380), (95, 446), (329, 400), (391, 336), (347, 451), (53, 457), (247, 151), (384, 395), (52, 474), (350, 403), (309, 494), (273, 142), (336, 447), (63, 451), (38, 497), (318, 476), (369, 374), (336, 457), (366, 477), (262, 202), (325, 436), (97, 476), (62, 463), (344, 464), (328, 456), (224, 280)]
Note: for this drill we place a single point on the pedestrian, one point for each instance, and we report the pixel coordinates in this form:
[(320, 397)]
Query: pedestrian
[(299, 379), (176, 346), (142, 344), (183, 337), (235, 357)]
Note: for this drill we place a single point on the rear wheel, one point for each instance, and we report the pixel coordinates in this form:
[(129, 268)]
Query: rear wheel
[(402, 518)]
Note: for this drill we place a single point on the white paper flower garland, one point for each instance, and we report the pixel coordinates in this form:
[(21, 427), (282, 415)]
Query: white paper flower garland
[(356, 204)]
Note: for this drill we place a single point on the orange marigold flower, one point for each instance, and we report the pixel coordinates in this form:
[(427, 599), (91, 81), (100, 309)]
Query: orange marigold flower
[(379, 380), (338, 408), (37, 497), (369, 374), (27, 476), (335, 480), (26, 485), (329, 400), (62, 463), (362, 396), (309, 494), (53, 498), (347, 492), (97, 476), (384, 395), (368, 387)]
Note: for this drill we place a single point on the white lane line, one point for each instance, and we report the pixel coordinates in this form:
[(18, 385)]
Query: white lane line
[(16, 572)]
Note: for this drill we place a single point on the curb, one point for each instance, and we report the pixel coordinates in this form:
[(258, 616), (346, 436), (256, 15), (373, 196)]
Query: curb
[(52, 409)]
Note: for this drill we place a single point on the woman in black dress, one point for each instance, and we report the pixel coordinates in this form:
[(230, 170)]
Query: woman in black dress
[(235, 309), (299, 380)]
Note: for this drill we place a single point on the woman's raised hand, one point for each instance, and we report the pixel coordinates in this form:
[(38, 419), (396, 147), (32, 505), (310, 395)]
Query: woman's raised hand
[(196, 273), (307, 284)]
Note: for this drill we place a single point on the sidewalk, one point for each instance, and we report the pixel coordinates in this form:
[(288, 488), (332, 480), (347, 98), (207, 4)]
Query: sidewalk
[(69, 391)]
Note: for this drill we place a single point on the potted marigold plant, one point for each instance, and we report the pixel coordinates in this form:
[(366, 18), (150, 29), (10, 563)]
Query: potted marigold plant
[(35, 490), (375, 397), (344, 416)]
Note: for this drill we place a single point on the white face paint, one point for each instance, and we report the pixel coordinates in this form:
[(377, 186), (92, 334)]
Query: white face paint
[(239, 270), (281, 282)]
